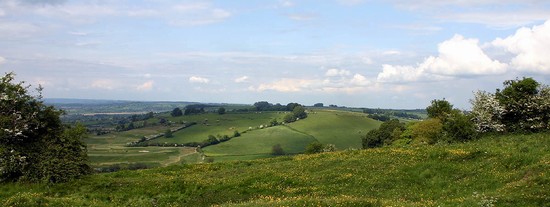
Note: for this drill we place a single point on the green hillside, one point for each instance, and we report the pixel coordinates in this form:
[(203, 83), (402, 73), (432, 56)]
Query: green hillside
[(259, 143), (509, 170), (341, 128)]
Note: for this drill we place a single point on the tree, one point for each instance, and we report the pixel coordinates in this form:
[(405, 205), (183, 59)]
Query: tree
[(526, 104), (314, 147), (34, 144), (387, 133), (277, 150), (221, 110), (439, 109), (168, 133), (236, 134), (176, 112), (459, 127), (318, 105), (429, 131), (299, 112), (487, 112)]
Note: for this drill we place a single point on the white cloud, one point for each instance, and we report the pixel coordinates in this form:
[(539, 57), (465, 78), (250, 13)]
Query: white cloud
[(359, 80), (457, 57), (197, 79), (337, 80), (103, 84), (337, 72), (391, 52), (286, 85), (530, 46), (392, 73), (2, 59), (145, 86), (192, 14), (287, 3), (460, 56), (241, 79)]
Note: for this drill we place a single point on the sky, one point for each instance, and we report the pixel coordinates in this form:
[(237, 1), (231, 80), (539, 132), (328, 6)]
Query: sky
[(355, 53)]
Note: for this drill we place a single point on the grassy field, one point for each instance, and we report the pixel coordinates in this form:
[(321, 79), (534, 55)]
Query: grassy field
[(341, 128), (259, 143), (214, 124), (509, 170), (110, 149)]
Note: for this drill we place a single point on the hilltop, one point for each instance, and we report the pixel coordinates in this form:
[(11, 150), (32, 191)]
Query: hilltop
[(505, 170)]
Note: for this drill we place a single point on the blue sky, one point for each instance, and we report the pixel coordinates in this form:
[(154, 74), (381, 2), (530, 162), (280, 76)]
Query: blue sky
[(363, 53)]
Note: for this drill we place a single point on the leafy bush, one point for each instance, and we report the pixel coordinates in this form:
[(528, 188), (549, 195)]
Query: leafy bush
[(314, 147), (526, 103), (34, 145), (428, 131), (277, 150), (385, 135), (487, 112)]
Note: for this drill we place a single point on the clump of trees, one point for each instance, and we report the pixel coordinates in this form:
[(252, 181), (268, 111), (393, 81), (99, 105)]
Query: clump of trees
[(277, 150), (176, 112), (298, 112), (521, 106), (318, 147), (34, 145)]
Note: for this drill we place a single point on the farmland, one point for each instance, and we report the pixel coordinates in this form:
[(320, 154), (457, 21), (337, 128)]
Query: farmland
[(341, 128)]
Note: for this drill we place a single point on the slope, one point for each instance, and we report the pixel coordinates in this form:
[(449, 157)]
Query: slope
[(507, 170)]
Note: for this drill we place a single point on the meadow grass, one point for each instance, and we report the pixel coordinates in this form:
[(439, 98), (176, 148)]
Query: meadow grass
[(259, 143), (342, 128), (215, 124), (510, 170)]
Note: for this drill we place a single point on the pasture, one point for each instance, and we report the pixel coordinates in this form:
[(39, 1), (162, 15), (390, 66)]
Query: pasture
[(344, 129)]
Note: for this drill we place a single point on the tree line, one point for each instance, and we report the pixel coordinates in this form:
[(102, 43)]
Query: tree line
[(522, 106)]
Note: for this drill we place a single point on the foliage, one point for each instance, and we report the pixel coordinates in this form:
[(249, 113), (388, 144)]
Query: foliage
[(526, 103), (221, 110), (318, 105), (168, 133), (236, 134), (385, 135), (428, 131), (459, 127), (34, 145), (277, 150), (314, 147), (176, 112), (439, 109), (487, 112), (380, 117)]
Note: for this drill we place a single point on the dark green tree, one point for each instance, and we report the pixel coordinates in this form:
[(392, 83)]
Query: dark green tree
[(526, 106), (277, 150), (168, 133), (176, 112), (34, 144), (299, 112), (439, 109), (221, 110), (387, 133), (314, 147)]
